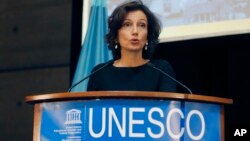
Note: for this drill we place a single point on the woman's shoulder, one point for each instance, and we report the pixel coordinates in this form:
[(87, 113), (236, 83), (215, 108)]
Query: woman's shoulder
[(160, 63), (163, 65), (101, 65)]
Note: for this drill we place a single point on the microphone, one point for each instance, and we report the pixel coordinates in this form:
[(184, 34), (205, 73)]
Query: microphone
[(89, 76), (158, 69)]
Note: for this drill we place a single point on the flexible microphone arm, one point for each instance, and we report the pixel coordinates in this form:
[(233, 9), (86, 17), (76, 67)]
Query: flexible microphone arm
[(88, 76), (153, 66)]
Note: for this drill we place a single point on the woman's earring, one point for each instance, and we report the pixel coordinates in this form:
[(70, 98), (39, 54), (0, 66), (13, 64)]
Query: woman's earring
[(116, 46), (146, 46)]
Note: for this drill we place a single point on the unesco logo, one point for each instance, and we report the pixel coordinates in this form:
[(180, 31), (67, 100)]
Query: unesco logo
[(73, 116)]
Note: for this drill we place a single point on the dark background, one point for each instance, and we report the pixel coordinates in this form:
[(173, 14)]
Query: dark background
[(35, 44), (216, 66), (40, 43)]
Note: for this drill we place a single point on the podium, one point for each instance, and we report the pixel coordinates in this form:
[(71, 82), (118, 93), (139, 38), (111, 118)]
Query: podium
[(127, 116)]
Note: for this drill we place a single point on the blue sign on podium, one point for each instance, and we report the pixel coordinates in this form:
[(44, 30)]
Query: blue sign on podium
[(130, 120)]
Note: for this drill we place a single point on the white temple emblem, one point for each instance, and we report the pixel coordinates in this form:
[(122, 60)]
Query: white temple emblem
[(73, 116)]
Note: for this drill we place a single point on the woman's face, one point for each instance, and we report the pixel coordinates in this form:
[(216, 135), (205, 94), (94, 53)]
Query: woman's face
[(132, 36)]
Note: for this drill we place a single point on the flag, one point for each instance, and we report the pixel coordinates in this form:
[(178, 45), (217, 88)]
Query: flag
[(94, 48)]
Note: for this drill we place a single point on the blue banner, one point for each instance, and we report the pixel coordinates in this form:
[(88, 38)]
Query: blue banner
[(94, 48), (133, 120)]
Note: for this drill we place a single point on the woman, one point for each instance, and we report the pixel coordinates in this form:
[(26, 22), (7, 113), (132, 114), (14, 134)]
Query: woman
[(133, 32)]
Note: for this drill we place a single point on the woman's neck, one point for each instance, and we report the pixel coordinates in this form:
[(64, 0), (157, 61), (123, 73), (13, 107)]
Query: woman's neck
[(130, 60)]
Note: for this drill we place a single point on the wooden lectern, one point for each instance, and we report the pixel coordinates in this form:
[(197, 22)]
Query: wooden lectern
[(127, 115)]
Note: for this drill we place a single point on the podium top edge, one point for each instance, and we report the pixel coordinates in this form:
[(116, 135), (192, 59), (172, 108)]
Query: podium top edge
[(65, 96)]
